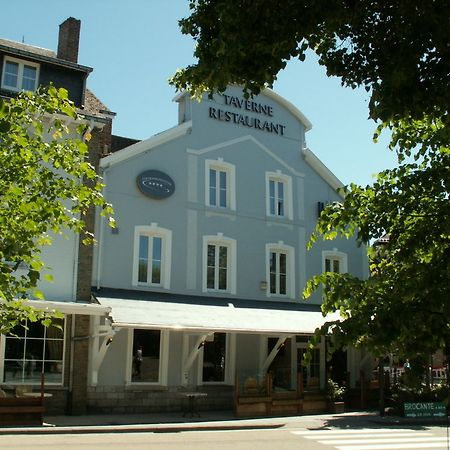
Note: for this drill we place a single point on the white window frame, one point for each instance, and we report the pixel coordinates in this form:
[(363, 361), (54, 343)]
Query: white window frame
[(220, 240), (286, 180), (21, 63), (166, 254), (3, 340), (230, 170), (230, 359), (163, 360), (289, 251), (335, 255)]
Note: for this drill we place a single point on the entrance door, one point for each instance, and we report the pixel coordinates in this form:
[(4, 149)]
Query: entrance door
[(311, 372)]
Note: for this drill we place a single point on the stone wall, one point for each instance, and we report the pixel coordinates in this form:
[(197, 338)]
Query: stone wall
[(120, 400)]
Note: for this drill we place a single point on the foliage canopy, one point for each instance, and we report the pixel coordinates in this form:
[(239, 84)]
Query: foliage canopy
[(43, 160), (399, 51)]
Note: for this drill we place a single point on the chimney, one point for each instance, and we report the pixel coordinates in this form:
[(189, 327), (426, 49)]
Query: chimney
[(69, 39)]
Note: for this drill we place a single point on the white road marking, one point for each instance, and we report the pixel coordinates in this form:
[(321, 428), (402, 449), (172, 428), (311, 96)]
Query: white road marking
[(408, 446), (374, 439)]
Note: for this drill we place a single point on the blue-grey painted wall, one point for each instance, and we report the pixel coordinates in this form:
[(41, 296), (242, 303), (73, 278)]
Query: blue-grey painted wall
[(252, 152)]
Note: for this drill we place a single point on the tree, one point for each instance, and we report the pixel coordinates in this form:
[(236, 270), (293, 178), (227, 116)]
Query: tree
[(399, 52), (43, 155)]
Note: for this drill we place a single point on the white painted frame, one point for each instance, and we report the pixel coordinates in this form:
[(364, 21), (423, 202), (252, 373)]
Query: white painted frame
[(21, 63), (230, 363), (335, 255), (63, 362), (220, 165), (154, 230), (278, 176), (163, 360), (230, 243), (289, 251)]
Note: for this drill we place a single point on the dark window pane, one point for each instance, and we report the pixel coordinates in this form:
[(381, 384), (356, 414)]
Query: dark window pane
[(223, 252), (273, 283), (273, 262), (143, 247), (214, 359), (223, 189), (156, 272), (211, 255), (142, 272), (11, 74), (222, 279), (336, 268), (210, 278), (157, 246), (146, 355), (212, 187), (283, 284), (327, 265), (283, 263)]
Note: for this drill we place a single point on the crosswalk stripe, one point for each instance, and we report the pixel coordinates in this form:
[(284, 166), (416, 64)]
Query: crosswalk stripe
[(383, 440), (368, 435), (408, 446), (318, 432)]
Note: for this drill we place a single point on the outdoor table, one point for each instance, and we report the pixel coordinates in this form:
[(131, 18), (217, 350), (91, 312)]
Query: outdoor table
[(192, 402), (36, 394)]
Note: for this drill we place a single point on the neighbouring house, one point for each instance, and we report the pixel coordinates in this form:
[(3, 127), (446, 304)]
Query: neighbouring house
[(26, 67)]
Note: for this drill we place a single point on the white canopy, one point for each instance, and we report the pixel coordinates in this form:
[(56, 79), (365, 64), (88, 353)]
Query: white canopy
[(127, 313)]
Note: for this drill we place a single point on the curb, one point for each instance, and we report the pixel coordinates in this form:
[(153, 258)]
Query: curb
[(135, 428)]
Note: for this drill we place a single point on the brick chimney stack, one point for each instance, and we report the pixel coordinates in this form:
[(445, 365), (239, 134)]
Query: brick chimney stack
[(69, 40)]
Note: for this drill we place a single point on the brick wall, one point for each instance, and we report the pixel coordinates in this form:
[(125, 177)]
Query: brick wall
[(69, 40)]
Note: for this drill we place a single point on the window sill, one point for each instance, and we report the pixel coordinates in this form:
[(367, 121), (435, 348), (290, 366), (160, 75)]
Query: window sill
[(212, 211), (144, 386)]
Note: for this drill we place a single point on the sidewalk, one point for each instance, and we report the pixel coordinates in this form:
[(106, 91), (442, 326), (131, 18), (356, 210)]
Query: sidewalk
[(209, 420)]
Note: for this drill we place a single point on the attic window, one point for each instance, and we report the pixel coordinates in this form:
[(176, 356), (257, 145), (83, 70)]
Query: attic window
[(19, 75)]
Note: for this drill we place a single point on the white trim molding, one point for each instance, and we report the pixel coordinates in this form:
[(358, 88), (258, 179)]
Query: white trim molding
[(219, 166), (153, 231), (220, 241), (335, 255), (322, 169), (286, 198), (281, 248), (163, 369), (21, 64), (146, 145)]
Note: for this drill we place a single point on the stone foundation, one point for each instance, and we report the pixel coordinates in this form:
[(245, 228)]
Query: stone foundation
[(135, 400)]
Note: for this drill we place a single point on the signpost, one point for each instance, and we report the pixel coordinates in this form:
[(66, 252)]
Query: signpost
[(425, 409)]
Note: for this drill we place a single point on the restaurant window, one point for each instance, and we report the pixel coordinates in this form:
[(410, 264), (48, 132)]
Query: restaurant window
[(214, 359), (334, 261), (280, 270), (220, 184), (279, 195), (19, 75), (32, 350), (152, 256), (219, 264), (148, 365)]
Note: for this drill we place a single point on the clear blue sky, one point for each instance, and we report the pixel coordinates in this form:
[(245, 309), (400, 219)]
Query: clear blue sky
[(135, 46)]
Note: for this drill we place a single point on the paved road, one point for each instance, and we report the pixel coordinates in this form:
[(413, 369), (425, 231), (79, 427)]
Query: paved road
[(285, 438)]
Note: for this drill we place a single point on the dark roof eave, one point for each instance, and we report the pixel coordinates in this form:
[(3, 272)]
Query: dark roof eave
[(47, 59)]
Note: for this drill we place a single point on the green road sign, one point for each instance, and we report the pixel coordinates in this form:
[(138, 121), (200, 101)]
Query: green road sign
[(425, 409)]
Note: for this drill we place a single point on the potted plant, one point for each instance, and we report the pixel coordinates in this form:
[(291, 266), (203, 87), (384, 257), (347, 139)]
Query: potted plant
[(336, 395)]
